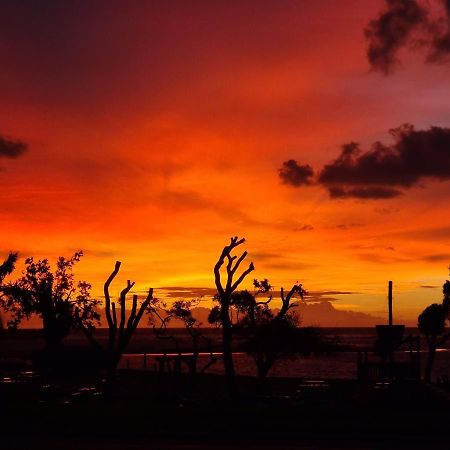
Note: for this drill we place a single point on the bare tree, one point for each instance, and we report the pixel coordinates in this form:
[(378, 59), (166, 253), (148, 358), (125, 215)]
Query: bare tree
[(225, 291), (119, 332)]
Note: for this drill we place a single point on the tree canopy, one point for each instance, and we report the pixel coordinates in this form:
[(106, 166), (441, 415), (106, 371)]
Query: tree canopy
[(54, 296)]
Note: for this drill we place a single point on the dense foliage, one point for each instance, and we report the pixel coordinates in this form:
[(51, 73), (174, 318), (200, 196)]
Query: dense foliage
[(55, 297), (431, 323)]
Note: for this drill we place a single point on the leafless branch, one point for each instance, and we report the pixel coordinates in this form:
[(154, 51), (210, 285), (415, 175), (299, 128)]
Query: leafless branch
[(123, 295), (106, 292), (251, 267)]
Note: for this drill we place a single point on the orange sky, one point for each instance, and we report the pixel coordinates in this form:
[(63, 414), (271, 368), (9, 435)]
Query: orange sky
[(155, 131)]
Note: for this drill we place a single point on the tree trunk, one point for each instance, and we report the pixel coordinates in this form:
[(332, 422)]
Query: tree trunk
[(264, 365), (225, 293), (111, 373), (263, 371), (227, 349), (430, 362), (193, 369)]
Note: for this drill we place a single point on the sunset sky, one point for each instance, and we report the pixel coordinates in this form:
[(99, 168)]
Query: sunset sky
[(152, 131)]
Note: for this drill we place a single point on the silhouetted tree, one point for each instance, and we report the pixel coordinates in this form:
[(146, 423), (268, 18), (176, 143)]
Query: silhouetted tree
[(274, 335), (6, 268), (268, 336), (119, 331), (431, 323), (214, 315), (53, 296), (181, 310), (224, 297)]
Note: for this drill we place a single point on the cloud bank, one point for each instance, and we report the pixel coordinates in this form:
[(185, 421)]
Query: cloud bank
[(11, 149), (391, 31), (408, 23), (383, 171), (294, 174)]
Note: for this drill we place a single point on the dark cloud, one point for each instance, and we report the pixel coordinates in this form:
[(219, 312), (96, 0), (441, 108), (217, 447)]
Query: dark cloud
[(440, 41), (195, 292), (437, 257), (347, 226), (273, 260), (262, 255), (98, 253), (396, 26), (11, 149), (441, 234), (322, 293), (383, 170), (390, 31), (415, 154), (376, 257), (325, 296), (296, 175), (305, 227), (289, 265), (185, 292), (364, 193)]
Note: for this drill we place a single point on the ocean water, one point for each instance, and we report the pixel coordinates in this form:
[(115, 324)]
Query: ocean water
[(337, 365)]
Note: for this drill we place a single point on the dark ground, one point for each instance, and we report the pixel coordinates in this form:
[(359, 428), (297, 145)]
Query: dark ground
[(169, 413), (149, 414)]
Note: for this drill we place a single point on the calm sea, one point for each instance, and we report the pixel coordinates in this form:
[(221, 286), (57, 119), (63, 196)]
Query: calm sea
[(340, 364)]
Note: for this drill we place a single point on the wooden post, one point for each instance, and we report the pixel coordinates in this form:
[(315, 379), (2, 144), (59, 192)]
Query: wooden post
[(418, 358), (359, 366), (390, 303), (391, 336)]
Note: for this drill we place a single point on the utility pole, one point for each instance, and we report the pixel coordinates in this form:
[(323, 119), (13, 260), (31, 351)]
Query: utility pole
[(390, 303)]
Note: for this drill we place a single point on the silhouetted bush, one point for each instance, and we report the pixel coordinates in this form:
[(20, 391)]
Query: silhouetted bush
[(267, 335), (6, 268), (431, 323), (53, 296)]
